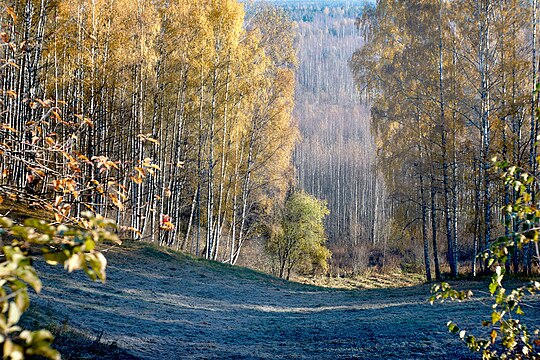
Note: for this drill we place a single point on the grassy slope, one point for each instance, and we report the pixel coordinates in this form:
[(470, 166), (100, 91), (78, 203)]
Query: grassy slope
[(158, 304)]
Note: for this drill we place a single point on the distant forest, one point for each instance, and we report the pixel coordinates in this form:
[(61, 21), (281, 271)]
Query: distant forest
[(335, 158)]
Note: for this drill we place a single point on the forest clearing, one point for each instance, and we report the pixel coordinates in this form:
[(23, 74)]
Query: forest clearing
[(158, 304)]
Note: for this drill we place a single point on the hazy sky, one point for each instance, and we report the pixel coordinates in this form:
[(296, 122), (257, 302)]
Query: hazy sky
[(308, 1)]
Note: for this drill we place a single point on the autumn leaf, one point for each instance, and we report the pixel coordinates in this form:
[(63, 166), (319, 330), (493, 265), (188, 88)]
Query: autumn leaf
[(147, 138), (56, 115), (4, 37), (116, 201), (44, 103), (58, 200), (140, 171), (6, 127), (493, 336), (11, 13)]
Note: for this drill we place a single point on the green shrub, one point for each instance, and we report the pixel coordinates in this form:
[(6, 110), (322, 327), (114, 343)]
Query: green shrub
[(298, 241)]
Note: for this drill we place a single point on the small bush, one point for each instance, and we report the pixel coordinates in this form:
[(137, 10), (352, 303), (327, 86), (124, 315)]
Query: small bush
[(298, 241)]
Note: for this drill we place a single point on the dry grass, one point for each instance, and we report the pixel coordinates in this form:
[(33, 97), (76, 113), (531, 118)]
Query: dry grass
[(21, 209), (368, 280)]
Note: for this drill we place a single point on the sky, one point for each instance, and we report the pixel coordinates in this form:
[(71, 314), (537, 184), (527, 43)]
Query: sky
[(317, 1)]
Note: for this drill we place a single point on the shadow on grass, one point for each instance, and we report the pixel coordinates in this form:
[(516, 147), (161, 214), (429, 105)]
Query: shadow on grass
[(71, 342), (159, 303)]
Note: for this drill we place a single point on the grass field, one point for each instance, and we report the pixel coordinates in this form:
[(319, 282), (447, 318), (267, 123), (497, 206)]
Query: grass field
[(158, 304)]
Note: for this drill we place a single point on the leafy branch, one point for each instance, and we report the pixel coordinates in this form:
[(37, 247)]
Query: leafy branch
[(72, 246), (507, 336)]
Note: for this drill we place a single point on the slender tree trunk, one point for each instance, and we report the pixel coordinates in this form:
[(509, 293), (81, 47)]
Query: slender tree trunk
[(427, 260), (452, 252), (434, 229)]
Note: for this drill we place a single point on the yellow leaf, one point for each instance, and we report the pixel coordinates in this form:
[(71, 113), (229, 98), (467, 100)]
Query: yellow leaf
[(11, 13), (56, 115), (7, 127), (493, 336), (116, 202), (58, 200), (111, 164), (40, 173), (140, 171)]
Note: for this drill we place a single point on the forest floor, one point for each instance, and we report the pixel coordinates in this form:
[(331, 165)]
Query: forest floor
[(163, 305)]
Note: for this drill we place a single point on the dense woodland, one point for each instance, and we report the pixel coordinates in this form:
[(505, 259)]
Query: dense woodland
[(173, 118), (452, 85)]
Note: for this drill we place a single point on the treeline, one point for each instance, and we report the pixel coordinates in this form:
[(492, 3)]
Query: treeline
[(452, 85), (336, 157), (308, 11), (174, 118)]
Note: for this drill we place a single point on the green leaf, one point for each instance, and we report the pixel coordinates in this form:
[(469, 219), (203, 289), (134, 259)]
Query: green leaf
[(55, 258), (13, 351), (89, 245), (3, 323), (14, 314), (46, 351), (495, 317), (452, 327), (98, 264), (493, 287), (22, 300), (39, 344), (6, 223), (29, 275)]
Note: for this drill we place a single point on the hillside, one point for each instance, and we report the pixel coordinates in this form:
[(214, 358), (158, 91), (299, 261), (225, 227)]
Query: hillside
[(163, 305)]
